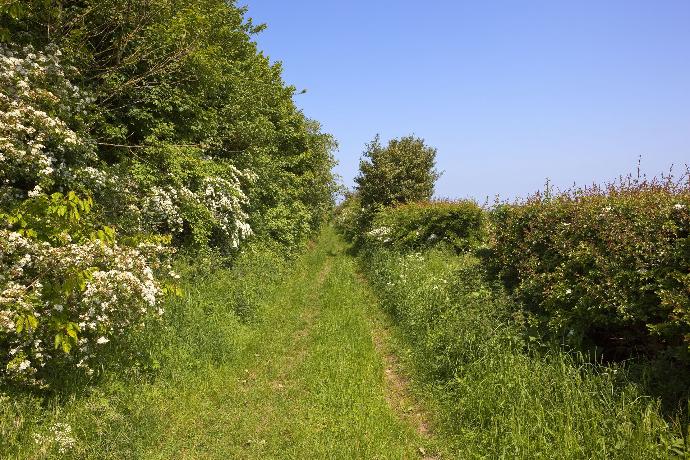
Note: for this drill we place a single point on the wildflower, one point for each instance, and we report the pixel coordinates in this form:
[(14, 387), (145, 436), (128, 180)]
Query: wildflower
[(35, 192), (102, 340)]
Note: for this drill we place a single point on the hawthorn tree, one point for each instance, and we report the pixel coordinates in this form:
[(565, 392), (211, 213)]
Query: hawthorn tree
[(402, 172)]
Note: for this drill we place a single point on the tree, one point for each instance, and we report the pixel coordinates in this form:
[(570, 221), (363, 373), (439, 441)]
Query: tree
[(184, 101), (402, 172)]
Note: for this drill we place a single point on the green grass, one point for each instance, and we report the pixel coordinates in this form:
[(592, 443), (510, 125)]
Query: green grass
[(300, 379), (494, 392), (292, 361)]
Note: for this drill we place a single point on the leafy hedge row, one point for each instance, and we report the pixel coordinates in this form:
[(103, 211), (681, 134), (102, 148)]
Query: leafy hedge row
[(493, 397), (156, 120), (609, 265), (605, 267), (421, 225)]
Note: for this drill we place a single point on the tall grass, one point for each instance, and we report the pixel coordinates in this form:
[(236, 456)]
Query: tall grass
[(499, 393)]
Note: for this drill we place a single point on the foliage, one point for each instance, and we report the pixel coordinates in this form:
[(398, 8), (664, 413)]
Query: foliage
[(495, 396), (185, 98), (67, 288), (151, 120), (347, 216), (401, 172), (41, 118), (419, 225), (607, 265)]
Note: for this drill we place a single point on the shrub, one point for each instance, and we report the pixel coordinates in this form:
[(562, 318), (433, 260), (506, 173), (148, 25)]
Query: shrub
[(67, 288), (414, 226), (609, 265), (401, 172)]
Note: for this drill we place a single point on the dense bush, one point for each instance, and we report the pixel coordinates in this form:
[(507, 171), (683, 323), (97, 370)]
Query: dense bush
[(203, 329), (67, 288), (190, 130), (414, 226), (610, 265), (495, 397), (401, 172), (124, 125), (68, 285)]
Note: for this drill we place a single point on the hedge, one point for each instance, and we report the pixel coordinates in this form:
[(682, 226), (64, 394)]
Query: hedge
[(605, 266), (420, 225)]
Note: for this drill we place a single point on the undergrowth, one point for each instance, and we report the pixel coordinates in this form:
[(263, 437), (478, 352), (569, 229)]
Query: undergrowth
[(116, 412), (499, 392)]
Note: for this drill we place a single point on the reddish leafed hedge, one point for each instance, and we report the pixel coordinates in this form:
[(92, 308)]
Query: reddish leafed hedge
[(608, 264)]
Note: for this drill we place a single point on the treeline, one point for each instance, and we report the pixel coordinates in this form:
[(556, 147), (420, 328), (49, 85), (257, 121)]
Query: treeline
[(130, 130), (539, 327)]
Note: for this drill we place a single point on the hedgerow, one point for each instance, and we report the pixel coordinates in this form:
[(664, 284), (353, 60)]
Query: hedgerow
[(419, 225), (608, 265), (129, 130), (495, 392)]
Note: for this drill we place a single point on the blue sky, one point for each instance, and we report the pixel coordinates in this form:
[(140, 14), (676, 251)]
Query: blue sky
[(509, 92)]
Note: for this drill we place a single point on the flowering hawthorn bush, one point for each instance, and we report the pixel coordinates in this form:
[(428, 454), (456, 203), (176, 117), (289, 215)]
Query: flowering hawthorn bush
[(67, 288), (216, 207), (43, 148), (40, 114), (67, 285)]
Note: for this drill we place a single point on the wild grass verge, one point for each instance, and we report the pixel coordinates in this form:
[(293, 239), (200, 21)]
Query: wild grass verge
[(498, 392)]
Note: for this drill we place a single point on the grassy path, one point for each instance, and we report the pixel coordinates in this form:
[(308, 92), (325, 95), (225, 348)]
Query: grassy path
[(313, 380)]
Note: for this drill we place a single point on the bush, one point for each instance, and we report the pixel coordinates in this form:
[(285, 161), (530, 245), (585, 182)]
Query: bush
[(605, 265), (401, 172), (67, 288), (415, 226)]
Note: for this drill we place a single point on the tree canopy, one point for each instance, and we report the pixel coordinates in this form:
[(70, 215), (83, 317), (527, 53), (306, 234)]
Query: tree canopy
[(402, 172)]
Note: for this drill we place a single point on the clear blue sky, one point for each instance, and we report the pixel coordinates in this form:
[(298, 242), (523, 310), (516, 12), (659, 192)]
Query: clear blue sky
[(510, 92)]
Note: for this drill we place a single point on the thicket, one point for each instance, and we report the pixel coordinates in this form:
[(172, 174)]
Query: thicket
[(128, 131), (605, 267)]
